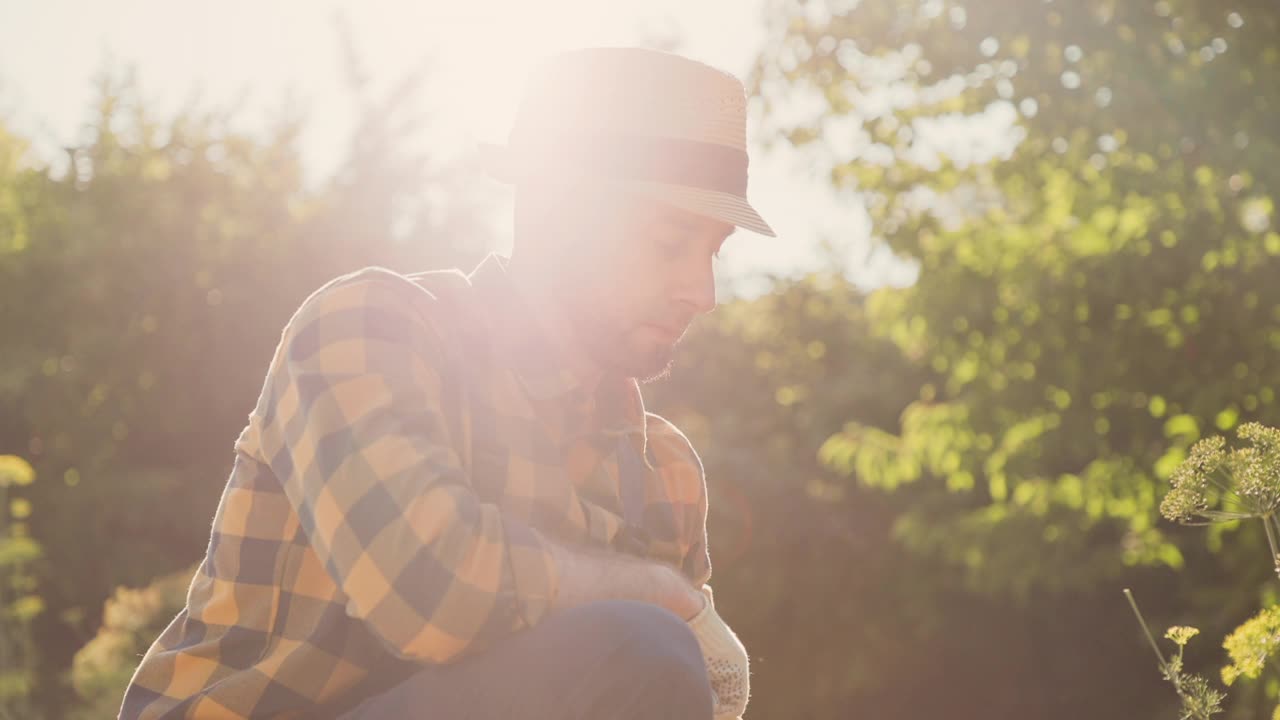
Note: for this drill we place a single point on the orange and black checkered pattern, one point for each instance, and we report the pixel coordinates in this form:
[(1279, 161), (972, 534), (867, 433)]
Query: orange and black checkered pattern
[(416, 442)]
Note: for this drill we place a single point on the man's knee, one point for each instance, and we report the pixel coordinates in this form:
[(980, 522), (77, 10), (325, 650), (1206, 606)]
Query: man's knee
[(657, 655), (618, 659)]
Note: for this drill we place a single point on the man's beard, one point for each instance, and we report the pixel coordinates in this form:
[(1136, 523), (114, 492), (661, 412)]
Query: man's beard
[(658, 369), (616, 353)]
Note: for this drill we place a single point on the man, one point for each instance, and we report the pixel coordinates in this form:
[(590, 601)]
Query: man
[(449, 501)]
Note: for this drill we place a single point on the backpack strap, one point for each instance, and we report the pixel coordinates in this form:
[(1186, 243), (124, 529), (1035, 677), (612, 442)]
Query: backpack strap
[(632, 471)]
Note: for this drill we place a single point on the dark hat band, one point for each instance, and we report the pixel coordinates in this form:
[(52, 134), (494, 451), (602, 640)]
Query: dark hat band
[(634, 157)]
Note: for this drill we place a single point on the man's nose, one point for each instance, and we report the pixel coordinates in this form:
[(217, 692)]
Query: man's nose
[(696, 288)]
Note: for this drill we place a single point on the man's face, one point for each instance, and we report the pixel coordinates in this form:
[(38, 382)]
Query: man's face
[(638, 272)]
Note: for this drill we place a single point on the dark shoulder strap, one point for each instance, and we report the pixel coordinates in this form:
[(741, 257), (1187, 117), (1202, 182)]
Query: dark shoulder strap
[(632, 470), (631, 481)]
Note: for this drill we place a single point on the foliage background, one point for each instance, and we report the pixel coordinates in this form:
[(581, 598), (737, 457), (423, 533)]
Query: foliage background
[(925, 500)]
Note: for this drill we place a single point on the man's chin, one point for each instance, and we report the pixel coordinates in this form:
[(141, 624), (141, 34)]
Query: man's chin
[(647, 366), (635, 357), (655, 373)]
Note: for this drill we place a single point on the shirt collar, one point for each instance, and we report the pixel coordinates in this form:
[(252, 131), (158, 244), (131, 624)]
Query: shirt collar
[(523, 342)]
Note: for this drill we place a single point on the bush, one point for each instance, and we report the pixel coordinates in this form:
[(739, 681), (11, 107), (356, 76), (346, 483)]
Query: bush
[(131, 621)]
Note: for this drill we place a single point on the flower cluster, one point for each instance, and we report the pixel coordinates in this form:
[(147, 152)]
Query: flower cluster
[(1256, 469), (1180, 634), (1252, 644), (1244, 481), (1199, 699), (1189, 497), (1217, 484)]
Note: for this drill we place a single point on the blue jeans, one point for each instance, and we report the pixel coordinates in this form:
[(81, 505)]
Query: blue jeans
[(615, 659)]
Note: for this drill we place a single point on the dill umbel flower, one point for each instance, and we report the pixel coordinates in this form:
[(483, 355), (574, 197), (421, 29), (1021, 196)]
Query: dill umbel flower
[(1252, 645), (1189, 497), (1218, 485), (1245, 481), (1199, 699), (1257, 477), (1207, 455), (1180, 634), (1266, 439), (1184, 503)]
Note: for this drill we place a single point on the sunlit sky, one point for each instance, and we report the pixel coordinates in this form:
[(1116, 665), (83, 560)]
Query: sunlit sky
[(259, 51)]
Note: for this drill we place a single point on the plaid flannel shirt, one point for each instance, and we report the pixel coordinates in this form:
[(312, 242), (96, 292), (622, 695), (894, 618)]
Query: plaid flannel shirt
[(416, 442)]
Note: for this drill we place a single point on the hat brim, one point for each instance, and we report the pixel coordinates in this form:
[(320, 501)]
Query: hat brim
[(713, 204), (497, 161)]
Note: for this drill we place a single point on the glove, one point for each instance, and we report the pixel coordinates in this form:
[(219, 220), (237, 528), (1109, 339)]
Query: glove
[(727, 665)]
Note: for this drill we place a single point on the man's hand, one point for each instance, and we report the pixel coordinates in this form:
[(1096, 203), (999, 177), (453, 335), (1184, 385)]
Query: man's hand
[(587, 575), (728, 667)]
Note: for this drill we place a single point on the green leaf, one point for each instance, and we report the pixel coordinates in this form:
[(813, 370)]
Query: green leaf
[(15, 471), (1183, 426)]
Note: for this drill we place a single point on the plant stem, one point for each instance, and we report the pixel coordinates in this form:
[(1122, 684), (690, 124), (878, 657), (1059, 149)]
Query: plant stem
[(1274, 523), (1150, 638), (1267, 521)]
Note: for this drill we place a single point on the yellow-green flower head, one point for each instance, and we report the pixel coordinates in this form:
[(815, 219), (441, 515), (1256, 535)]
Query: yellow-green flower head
[(1266, 439), (1184, 503), (1180, 634), (1257, 477), (1207, 455), (1252, 645), (1190, 480)]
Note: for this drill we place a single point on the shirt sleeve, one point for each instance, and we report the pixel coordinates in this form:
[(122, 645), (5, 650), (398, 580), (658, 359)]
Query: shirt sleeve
[(697, 562), (355, 429), (686, 491)]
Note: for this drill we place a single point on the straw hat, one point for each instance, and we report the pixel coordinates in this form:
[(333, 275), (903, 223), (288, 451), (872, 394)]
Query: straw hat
[(650, 121)]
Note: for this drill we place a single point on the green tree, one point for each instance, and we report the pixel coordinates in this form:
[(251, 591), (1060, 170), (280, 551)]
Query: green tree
[(144, 280), (1088, 190), (841, 618), (799, 560)]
